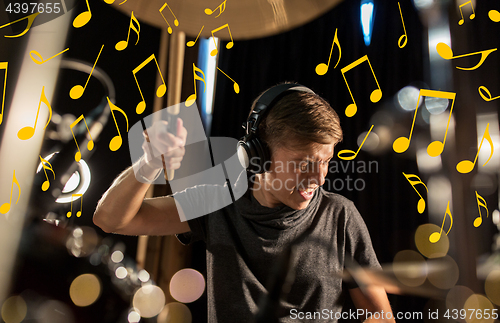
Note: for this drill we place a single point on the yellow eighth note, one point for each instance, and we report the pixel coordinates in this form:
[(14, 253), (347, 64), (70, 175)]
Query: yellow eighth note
[(46, 184), (176, 22), (434, 237), (30, 18), (28, 131), (472, 16), (236, 87), (192, 98), (6, 206), (375, 96), (90, 144), (192, 43), (415, 180), (121, 45), (405, 36), (479, 220), (160, 91), (353, 154), (221, 8), (3, 66), (76, 91), (117, 141), (84, 17), (435, 148), (494, 15), (445, 52), (112, 1), (78, 213), (322, 68), (228, 45), (485, 89), (466, 166), (39, 60)]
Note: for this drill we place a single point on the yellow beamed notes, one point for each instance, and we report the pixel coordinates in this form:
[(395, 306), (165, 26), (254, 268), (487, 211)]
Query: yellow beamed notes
[(90, 144), (434, 237), (176, 22), (76, 91), (3, 66), (30, 18), (322, 68), (404, 37), (28, 131), (84, 17), (479, 220), (486, 95), (375, 96), (160, 91), (221, 8), (78, 213), (116, 141), (466, 166), (228, 45), (192, 98), (46, 184), (472, 16), (121, 45), (6, 206), (446, 52), (435, 148), (351, 152), (415, 180)]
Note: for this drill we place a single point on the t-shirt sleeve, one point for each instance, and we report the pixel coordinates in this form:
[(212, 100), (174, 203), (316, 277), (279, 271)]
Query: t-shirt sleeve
[(187, 200)]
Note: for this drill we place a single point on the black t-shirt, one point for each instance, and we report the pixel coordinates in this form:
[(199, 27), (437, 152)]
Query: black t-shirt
[(244, 241)]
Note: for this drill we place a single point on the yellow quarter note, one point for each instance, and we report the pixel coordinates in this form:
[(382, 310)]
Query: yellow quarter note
[(3, 66), (90, 144), (466, 166), (121, 45), (6, 206), (192, 98), (415, 180), (322, 68), (30, 18), (404, 37), (472, 16), (434, 237), (446, 52), (78, 213), (236, 87), (221, 8), (494, 15), (76, 91), (84, 17), (228, 45), (116, 141), (46, 184), (28, 131), (487, 92), (479, 220), (160, 91), (351, 152), (39, 60), (192, 43), (435, 148), (176, 22)]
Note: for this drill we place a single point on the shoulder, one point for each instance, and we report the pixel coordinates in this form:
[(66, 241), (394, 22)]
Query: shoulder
[(336, 201)]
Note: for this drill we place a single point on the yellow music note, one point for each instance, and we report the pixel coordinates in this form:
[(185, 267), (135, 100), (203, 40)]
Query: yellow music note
[(434, 237), (472, 16), (76, 91), (494, 15), (46, 184), (90, 144), (466, 166), (191, 43), (435, 148), (445, 52), (413, 182), (489, 98), (30, 18), (236, 87), (405, 36), (41, 60), (375, 96), (112, 1), (192, 98), (354, 154), (160, 91), (3, 66), (176, 22), (121, 45), (322, 68), (6, 206), (78, 213), (28, 131), (479, 220), (116, 141), (228, 45), (84, 17), (221, 8)]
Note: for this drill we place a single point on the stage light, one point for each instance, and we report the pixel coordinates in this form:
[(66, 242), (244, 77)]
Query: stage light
[(367, 10), (117, 256)]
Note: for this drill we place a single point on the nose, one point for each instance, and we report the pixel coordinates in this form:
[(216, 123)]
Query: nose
[(317, 176)]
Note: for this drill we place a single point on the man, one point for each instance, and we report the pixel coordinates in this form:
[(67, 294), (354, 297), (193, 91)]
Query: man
[(291, 135)]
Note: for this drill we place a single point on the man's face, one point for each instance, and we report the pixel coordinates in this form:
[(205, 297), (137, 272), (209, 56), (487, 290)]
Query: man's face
[(294, 175)]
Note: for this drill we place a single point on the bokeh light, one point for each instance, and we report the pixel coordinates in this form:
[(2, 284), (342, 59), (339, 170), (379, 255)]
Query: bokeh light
[(85, 290), (492, 286), (121, 272), (427, 248), (14, 309), (407, 98), (117, 256), (457, 296), (436, 105), (53, 311), (410, 268), (476, 304), (133, 317), (446, 272), (149, 300), (187, 285), (175, 313)]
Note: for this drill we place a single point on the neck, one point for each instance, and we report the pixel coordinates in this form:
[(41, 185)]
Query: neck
[(262, 194)]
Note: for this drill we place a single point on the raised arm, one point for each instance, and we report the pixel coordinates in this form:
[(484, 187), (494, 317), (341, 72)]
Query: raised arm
[(123, 209)]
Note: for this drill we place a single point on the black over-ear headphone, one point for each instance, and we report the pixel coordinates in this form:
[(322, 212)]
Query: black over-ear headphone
[(254, 154)]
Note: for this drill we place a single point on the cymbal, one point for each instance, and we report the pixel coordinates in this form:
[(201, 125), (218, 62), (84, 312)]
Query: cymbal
[(245, 19)]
